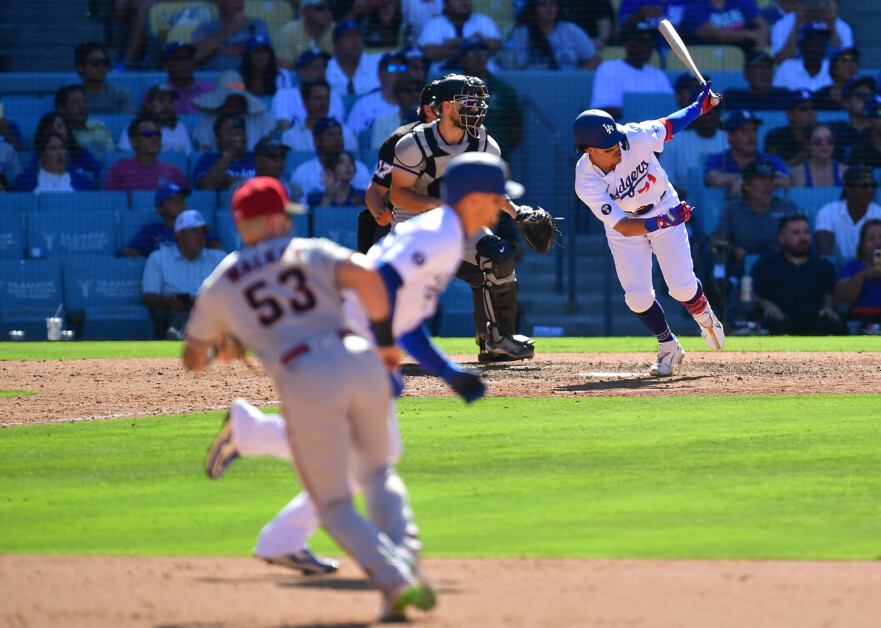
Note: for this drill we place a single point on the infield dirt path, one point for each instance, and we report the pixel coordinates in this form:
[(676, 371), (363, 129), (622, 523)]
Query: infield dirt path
[(123, 592)]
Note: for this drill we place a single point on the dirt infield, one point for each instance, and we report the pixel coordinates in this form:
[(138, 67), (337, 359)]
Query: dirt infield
[(95, 592)]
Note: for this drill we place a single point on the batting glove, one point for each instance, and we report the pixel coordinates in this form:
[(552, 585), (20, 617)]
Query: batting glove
[(704, 99), (467, 385), (671, 218)]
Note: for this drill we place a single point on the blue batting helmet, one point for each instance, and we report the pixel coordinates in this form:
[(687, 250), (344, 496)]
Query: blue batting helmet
[(595, 128), (472, 172)]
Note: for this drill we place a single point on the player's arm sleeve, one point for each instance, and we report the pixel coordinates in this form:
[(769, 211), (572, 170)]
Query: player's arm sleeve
[(418, 344), (593, 194), (678, 120)]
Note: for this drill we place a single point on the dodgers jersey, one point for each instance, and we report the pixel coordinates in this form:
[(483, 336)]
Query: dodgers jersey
[(636, 182), (272, 296)]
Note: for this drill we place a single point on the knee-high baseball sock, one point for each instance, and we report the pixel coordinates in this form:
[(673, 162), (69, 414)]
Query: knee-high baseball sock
[(656, 322), (698, 302)]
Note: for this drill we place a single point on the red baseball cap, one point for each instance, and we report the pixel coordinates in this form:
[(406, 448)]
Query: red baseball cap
[(262, 196)]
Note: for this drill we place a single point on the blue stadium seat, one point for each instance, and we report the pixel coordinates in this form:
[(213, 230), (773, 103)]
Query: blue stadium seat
[(12, 236), (176, 158), (30, 292), (810, 200), (455, 308), (116, 122), (142, 201), (57, 234), (19, 202), (130, 223), (230, 240), (83, 202), (339, 224), (108, 291), (18, 105)]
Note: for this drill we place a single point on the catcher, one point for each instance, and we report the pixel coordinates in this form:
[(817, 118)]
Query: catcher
[(421, 158)]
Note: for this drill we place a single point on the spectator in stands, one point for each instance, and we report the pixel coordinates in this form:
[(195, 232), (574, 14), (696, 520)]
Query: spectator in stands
[(173, 275), (749, 224), (542, 41), (351, 70), (159, 105), (337, 185), (179, 61), (231, 162), (695, 143), (859, 281), (811, 70), (416, 14), (287, 105), (92, 63), (260, 70), (793, 287), (144, 171), (417, 63), (220, 43), (723, 170), (316, 99), (442, 36), (10, 165), (758, 70), (848, 133), (819, 169), (230, 96), (54, 173), (844, 65), (10, 132), (867, 149), (132, 17), (726, 22), (380, 102), (328, 137), (784, 33), (650, 13), (312, 30), (790, 142), (596, 18), (407, 92), (505, 116), (269, 161), (79, 159), (91, 134), (170, 201), (838, 223), (381, 20), (630, 74)]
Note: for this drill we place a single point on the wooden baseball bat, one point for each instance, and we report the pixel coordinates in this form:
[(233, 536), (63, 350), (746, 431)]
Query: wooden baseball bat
[(681, 51)]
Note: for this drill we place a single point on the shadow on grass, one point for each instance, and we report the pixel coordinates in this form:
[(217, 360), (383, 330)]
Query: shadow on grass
[(633, 383)]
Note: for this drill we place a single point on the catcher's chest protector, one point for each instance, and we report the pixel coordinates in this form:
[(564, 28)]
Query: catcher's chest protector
[(437, 156)]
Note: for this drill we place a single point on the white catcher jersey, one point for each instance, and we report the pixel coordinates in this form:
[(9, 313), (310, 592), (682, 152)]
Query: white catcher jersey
[(636, 182), (425, 154), (272, 296)]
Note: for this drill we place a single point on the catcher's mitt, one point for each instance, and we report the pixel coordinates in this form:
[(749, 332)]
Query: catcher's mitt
[(537, 227)]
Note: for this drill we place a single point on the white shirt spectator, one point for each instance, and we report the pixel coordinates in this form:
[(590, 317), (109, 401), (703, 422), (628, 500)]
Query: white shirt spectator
[(613, 78), (834, 218), (256, 126), (367, 109), (416, 14), (365, 79), (287, 104), (439, 29), (308, 176), (781, 29), (792, 75), (168, 272), (176, 139), (300, 139), (690, 150)]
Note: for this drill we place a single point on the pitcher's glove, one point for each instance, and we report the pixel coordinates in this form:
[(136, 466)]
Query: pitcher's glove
[(537, 227)]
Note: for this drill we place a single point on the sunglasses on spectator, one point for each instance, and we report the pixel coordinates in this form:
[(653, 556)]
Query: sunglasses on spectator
[(862, 95), (821, 141), (98, 63), (804, 108), (150, 133), (395, 67), (864, 186)]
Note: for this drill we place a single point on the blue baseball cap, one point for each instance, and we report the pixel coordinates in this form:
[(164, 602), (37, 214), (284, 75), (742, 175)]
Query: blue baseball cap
[(797, 96), (812, 28), (308, 56), (344, 26), (475, 42), (872, 106), (412, 52), (323, 124), (472, 172), (392, 62), (856, 81), (257, 40), (168, 190), (840, 50), (174, 46), (738, 118)]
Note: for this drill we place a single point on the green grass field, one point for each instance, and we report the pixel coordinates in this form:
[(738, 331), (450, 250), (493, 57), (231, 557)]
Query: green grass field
[(726, 477)]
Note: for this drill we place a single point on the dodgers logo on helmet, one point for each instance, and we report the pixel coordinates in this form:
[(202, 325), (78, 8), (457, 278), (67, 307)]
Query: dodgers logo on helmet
[(595, 128)]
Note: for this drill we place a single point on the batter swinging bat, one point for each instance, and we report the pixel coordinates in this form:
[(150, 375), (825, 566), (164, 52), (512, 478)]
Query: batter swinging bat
[(681, 51)]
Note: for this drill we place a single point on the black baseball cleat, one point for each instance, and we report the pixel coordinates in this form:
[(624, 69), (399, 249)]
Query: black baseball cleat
[(507, 349), (305, 561)]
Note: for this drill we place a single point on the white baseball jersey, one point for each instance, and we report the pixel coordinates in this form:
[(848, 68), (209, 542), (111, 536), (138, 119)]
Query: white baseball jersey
[(634, 184), (272, 296)]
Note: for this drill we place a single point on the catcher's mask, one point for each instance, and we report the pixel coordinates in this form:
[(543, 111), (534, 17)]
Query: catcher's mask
[(469, 92)]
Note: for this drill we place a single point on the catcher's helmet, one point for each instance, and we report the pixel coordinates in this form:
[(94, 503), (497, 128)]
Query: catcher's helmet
[(595, 128), (472, 172), (470, 92)]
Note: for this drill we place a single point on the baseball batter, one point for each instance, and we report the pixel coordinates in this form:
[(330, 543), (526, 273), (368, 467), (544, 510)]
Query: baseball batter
[(419, 259), (620, 180), (281, 299)]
